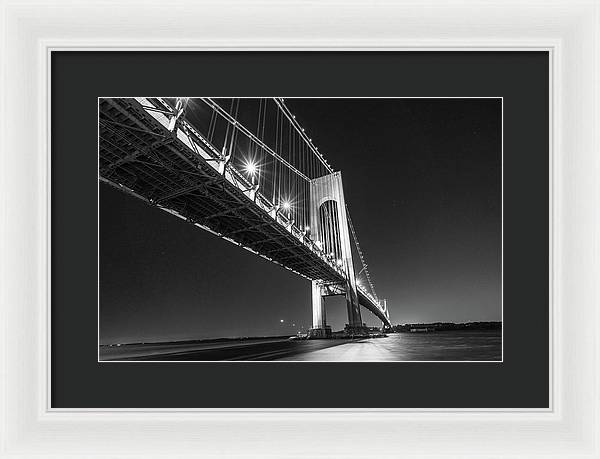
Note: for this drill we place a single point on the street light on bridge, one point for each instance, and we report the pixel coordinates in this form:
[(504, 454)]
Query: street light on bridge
[(251, 169)]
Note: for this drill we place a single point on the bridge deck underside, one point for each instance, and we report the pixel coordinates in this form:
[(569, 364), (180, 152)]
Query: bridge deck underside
[(139, 155), (366, 302)]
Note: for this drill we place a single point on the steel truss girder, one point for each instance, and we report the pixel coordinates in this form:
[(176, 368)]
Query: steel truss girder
[(249, 229), (171, 175)]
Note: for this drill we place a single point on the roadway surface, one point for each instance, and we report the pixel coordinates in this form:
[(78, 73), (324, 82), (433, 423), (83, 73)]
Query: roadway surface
[(263, 349)]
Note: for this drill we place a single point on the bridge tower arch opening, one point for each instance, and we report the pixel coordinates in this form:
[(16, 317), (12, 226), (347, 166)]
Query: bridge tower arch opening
[(329, 228)]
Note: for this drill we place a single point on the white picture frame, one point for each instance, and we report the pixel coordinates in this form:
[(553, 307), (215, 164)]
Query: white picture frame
[(568, 29)]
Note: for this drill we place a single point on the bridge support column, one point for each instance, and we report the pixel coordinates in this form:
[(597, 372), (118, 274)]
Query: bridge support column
[(319, 329), (329, 224)]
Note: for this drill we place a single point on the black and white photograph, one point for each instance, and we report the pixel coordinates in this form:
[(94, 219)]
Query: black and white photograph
[(288, 229), (300, 229)]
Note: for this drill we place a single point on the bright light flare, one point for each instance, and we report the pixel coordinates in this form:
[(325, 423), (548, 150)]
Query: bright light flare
[(251, 168), (286, 205)]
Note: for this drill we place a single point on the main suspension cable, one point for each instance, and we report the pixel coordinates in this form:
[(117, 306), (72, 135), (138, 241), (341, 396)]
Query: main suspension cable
[(360, 254)]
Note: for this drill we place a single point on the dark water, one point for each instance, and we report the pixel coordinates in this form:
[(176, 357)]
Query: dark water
[(452, 345), (474, 345)]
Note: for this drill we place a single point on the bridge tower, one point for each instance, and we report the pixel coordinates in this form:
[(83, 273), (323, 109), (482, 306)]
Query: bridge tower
[(329, 226)]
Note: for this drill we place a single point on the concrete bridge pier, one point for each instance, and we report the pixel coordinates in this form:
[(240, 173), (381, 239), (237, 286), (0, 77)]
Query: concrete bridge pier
[(319, 329), (329, 225)]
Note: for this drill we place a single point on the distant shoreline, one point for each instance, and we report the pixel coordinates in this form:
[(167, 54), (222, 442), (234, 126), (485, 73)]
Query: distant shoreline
[(202, 340), (400, 328), (445, 326)]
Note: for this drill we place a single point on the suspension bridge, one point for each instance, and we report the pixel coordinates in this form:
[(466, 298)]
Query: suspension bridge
[(246, 171)]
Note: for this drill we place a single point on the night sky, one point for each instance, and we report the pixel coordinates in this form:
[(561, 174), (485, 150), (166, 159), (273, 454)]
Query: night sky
[(422, 179)]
